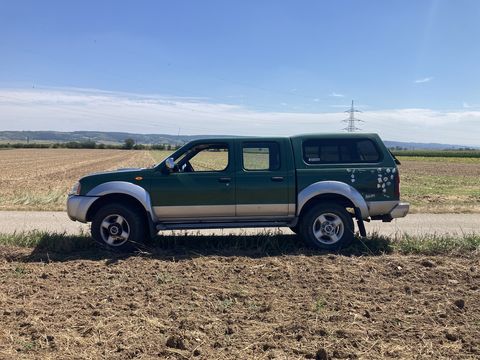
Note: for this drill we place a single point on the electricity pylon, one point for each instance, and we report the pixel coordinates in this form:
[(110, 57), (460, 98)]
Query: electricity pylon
[(351, 127)]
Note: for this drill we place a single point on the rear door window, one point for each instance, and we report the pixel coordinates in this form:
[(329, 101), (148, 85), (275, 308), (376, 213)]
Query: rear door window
[(258, 156)]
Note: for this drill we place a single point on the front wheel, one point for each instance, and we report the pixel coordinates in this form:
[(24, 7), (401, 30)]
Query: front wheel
[(118, 227), (327, 226)]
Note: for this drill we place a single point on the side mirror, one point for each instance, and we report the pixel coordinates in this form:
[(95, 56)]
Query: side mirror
[(170, 164)]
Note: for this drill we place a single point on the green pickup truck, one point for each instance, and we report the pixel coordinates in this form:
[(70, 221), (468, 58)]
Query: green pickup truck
[(314, 184)]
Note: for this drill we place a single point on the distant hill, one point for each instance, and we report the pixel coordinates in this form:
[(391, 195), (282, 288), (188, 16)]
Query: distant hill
[(97, 136), (425, 146), (119, 137)]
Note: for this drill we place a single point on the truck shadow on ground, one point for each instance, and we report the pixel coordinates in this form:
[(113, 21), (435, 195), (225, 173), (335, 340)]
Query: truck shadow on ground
[(180, 246)]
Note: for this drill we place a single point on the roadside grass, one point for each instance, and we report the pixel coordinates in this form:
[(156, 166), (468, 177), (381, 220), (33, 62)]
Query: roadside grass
[(438, 244), (48, 241), (267, 243)]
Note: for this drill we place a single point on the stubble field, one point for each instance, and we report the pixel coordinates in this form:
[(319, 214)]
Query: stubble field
[(441, 184), (39, 179)]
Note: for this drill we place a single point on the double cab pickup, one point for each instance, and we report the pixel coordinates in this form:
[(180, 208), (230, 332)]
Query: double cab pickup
[(315, 184)]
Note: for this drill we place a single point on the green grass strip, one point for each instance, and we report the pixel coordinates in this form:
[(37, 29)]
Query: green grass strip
[(267, 243)]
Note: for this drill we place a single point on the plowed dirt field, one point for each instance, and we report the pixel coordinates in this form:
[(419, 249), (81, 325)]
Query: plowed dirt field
[(249, 304)]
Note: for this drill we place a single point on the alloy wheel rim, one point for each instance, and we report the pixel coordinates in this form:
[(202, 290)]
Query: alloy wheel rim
[(328, 228), (115, 230)]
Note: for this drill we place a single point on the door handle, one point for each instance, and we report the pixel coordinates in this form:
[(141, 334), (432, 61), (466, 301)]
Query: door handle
[(224, 179), (277, 178)]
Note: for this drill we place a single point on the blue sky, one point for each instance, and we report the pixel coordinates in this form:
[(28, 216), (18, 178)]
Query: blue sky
[(262, 66)]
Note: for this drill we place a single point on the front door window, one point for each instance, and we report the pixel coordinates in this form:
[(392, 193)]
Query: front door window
[(201, 185), (203, 158)]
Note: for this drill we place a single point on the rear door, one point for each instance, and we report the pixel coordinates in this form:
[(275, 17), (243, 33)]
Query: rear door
[(264, 178)]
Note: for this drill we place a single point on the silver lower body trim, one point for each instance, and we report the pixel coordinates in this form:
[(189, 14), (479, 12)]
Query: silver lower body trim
[(281, 222), (77, 207), (223, 212), (263, 209), (193, 211)]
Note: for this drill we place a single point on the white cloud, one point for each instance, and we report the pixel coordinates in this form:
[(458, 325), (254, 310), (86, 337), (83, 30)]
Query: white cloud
[(424, 80), (71, 109), (334, 94)]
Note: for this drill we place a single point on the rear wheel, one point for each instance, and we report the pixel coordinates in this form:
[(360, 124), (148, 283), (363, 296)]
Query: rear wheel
[(327, 226), (119, 227)]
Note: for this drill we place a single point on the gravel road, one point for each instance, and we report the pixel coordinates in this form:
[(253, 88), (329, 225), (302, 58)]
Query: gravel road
[(413, 224)]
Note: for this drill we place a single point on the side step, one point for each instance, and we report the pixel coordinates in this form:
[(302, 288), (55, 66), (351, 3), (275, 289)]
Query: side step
[(222, 225)]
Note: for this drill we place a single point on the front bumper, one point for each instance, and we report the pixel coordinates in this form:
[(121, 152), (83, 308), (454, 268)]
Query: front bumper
[(401, 210), (77, 207)]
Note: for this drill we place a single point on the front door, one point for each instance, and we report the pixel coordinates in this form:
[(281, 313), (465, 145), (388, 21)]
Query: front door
[(201, 186), (264, 183)]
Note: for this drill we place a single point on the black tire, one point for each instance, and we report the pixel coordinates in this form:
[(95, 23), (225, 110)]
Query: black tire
[(327, 226), (295, 229), (128, 223)]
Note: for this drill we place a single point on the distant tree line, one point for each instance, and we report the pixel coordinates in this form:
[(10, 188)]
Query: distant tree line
[(129, 144), (397, 148), (400, 148)]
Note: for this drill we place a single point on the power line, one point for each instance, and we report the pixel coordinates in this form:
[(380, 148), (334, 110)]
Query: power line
[(351, 127)]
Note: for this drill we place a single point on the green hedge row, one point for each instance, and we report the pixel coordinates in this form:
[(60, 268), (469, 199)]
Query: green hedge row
[(439, 153)]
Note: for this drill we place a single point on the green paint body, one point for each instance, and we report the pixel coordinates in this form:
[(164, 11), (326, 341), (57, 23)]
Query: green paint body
[(258, 187)]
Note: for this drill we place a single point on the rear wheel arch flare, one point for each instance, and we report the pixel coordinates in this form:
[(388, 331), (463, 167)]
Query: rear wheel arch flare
[(335, 191), (324, 198)]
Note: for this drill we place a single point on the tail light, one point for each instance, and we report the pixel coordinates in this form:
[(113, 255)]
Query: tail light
[(397, 185)]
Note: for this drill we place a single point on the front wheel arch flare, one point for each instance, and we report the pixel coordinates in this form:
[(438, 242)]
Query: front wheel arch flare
[(135, 191), (126, 200)]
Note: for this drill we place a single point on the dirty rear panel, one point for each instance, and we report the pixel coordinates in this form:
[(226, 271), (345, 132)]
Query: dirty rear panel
[(349, 158)]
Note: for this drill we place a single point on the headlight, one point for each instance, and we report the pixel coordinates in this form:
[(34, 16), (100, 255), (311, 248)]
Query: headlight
[(75, 189)]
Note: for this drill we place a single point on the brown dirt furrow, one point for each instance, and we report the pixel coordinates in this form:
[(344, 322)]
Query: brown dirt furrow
[(180, 306)]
